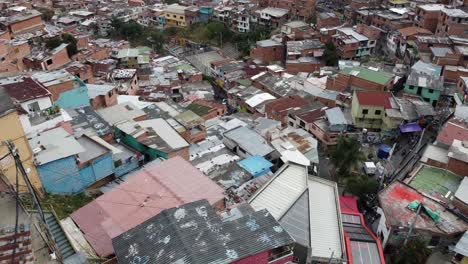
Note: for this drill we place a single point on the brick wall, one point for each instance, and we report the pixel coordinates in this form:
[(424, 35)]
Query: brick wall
[(370, 32), (458, 167), (5, 35), (268, 54), (102, 101), (295, 68), (57, 89), (366, 85), (57, 60), (463, 207), (13, 56), (338, 83), (28, 25), (327, 22), (452, 75)]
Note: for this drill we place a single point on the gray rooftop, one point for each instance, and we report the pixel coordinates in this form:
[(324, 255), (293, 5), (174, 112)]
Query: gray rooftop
[(120, 113), (53, 145), (99, 89), (92, 148), (335, 116), (249, 140)]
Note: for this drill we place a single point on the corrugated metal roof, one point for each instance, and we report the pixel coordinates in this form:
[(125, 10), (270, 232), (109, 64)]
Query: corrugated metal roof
[(307, 208), (194, 233), (120, 112), (54, 144), (326, 231), (249, 140), (282, 191), (149, 191)]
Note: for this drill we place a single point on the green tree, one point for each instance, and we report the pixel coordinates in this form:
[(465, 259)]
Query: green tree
[(47, 14), (116, 24), (347, 155), (54, 42), (155, 40), (72, 42), (414, 252), (330, 55), (361, 185), (131, 30)]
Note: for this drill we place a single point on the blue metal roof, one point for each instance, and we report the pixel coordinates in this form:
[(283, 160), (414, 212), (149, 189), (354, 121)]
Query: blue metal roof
[(255, 165)]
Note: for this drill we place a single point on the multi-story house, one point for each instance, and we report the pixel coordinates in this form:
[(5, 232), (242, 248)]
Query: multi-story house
[(175, 15), (452, 22), (351, 44), (272, 17), (428, 87), (298, 9), (9, 119), (242, 22), (361, 78), (22, 22), (427, 16), (368, 110)]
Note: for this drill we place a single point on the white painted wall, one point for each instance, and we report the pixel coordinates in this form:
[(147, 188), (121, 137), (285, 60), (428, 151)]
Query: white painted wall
[(43, 102), (382, 230)]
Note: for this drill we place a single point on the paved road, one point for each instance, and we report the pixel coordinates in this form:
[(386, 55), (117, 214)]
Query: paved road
[(404, 163)]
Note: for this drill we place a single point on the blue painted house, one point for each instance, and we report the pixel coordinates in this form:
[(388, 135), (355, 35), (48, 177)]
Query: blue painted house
[(68, 91), (206, 12), (255, 165), (67, 165)]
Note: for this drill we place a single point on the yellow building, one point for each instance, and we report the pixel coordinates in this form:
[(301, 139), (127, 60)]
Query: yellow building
[(175, 15), (374, 110), (11, 129)]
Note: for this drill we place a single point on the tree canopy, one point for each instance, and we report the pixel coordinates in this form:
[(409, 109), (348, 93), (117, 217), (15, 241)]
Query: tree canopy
[(361, 185), (414, 252), (330, 55), (347, 155), (72, 42)]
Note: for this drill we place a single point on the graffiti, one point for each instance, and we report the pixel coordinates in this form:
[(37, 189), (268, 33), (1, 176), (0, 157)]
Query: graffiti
[(140, 260)]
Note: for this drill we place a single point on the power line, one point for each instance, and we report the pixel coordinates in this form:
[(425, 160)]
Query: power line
[(16, 215)]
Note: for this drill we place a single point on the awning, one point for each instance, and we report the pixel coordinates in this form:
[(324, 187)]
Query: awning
[(410, 127)]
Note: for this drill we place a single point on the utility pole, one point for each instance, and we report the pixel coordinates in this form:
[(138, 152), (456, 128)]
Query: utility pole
[(35, 199), (413, 224)]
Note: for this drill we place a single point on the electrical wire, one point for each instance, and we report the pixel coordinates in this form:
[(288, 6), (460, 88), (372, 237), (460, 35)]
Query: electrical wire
[(6, 155), (17, 214)]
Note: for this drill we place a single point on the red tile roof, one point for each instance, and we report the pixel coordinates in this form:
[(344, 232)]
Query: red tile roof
[(285, 103), (155, 188), (25, 90), (374, 98)]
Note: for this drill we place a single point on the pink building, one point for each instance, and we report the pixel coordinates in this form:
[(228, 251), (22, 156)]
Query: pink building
[(144, 195), (455, 128)]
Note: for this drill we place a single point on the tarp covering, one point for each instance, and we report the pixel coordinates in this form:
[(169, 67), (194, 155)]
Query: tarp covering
[(413, 206), (384, 151), (410, 127)]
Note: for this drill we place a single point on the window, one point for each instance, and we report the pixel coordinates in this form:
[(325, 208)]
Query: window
[(110, 93), (302, 124), (49, 62), (33, 107), (291, 124), (431, 90), (365, 111), (378, 112)]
